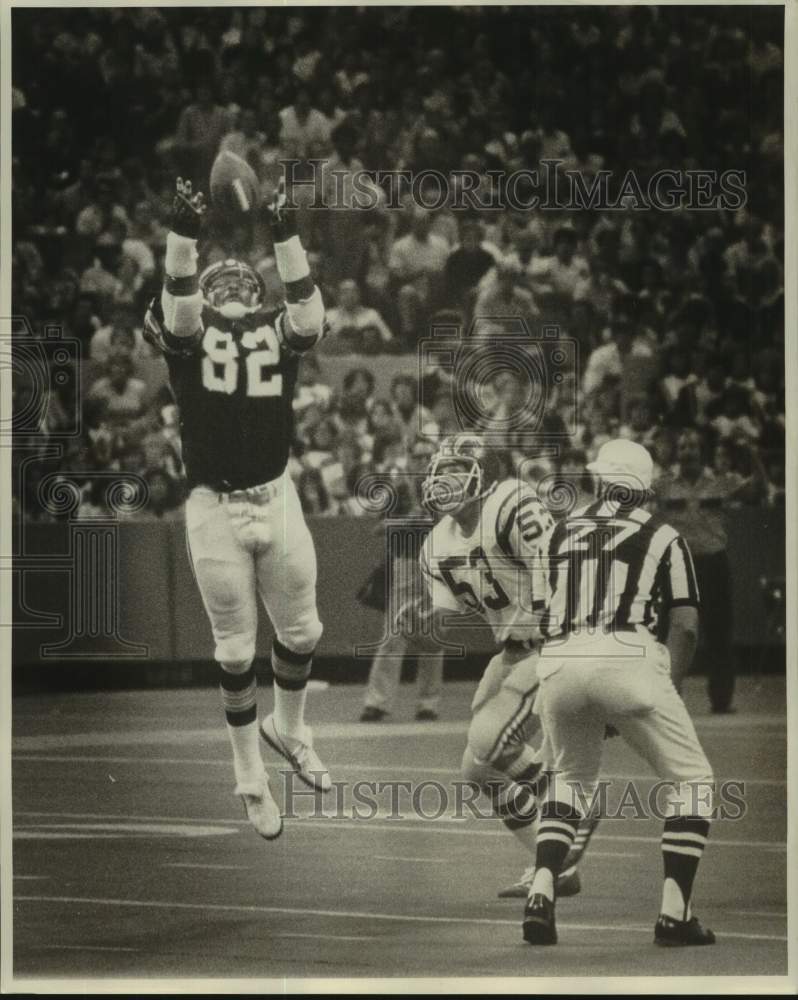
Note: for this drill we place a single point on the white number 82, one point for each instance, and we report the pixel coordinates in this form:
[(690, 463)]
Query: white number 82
[(220, 364)]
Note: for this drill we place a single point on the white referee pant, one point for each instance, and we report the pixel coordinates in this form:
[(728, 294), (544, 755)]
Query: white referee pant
[(249, 544), (590, 681)]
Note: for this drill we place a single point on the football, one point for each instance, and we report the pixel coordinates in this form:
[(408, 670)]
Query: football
[(234, 184)]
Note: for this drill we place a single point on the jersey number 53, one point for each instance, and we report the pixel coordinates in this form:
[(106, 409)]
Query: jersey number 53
[(220, 366)]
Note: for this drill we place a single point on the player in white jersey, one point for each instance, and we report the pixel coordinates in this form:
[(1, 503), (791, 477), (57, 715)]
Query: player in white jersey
[(481, 563)]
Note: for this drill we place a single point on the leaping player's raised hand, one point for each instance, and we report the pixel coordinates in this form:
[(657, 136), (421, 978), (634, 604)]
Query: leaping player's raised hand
[(187, 210), (281, 214)]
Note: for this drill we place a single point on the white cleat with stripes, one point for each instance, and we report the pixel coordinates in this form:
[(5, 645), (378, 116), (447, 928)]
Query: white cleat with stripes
[(299, 753), (261, 809)]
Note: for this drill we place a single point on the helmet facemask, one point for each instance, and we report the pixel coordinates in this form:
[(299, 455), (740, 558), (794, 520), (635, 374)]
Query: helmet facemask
[(452, 482), (232, 288)]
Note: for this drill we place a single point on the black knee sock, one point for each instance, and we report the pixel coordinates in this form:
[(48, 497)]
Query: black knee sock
[(683, 842), (556, 832)]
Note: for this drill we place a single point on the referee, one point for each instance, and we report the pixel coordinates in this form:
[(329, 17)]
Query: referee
[(613, 568)]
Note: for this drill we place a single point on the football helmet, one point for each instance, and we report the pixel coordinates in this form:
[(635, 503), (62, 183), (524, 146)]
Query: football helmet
[(232, 287), (461, 471)]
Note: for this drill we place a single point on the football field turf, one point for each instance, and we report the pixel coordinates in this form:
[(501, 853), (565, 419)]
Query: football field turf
[(133, 859)]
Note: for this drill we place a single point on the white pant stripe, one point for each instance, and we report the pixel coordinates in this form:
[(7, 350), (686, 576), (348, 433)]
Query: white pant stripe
[(694, 852), (552, 835), (696, 838)]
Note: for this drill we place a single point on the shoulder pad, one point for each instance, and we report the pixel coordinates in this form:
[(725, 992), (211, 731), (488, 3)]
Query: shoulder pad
[(522, 511)]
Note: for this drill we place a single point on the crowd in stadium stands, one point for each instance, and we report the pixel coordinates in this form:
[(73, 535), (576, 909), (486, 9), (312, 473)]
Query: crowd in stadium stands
[(678, 315)]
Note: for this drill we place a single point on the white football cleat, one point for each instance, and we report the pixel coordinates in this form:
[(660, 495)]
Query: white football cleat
[(261, 809), (299, 753)]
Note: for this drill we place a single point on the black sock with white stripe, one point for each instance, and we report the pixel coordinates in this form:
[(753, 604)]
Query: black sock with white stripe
[(556, 832), (583, 834), (291, 673), (683, 841), (239, 696)]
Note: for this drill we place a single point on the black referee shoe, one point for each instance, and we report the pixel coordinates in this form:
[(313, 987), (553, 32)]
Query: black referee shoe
[(539, 926), (670, 933)]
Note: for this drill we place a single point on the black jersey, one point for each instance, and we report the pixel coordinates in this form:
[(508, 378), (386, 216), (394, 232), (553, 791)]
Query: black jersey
[(234, 386)]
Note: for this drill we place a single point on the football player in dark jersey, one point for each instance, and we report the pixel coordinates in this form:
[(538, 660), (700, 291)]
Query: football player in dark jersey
[(232, 366)]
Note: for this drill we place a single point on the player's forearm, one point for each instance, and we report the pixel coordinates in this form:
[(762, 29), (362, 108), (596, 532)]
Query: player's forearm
[(682, 641), (181, 299), (303, 301)]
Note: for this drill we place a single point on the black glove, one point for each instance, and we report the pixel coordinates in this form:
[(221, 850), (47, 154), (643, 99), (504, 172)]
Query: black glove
[(280, 216), (187, 211), (610, 732)]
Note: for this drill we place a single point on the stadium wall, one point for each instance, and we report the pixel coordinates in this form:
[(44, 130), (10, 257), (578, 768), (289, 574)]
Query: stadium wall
[(122, 594)]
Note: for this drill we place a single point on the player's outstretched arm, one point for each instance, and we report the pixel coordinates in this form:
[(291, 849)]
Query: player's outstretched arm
[(181, 300), (302, 324)]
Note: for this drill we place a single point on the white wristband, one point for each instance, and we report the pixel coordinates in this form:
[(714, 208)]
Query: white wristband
[(181, 256), (292, 261)]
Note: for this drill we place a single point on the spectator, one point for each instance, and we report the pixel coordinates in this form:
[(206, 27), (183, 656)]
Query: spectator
[(420, 256), (467, 263), (313, 493), (199, 133), (414, 419), (121, 336), (503, 299), (354, 327), (120, 397), (694, 501), (304, 130)]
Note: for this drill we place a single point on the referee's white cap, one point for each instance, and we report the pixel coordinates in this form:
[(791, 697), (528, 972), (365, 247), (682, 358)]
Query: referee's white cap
[(624, 462)]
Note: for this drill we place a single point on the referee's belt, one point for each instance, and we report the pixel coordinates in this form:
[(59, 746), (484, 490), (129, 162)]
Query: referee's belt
[(261, 495)]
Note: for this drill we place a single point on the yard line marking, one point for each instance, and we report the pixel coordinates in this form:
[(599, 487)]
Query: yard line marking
[(32, 878), (399, 826), (84, 947), (770, 725), (396, 857), (775, 914), (191, 864), (327, 937), (403, 769), (352, 914)]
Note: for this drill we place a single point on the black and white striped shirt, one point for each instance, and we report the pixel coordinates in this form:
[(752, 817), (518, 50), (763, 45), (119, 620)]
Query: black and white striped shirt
[(612, 568)]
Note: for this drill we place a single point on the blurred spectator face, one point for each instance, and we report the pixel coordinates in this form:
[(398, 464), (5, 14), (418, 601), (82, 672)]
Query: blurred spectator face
[(248, 122), (403, 394), (723, 459), (348, 295), (302, 104), (679, 364), (119, 371), (640, 416), (565, 246), (358, 386), (470, 235), (421, 224), (716, 378), (309, 369), (204, 95), (688, 451), (324, 436), (420, 456), (159, 489), (381, 415), (121, 343), (733, 404)]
